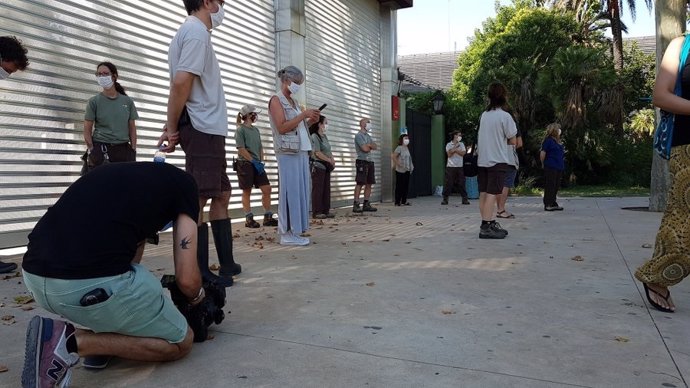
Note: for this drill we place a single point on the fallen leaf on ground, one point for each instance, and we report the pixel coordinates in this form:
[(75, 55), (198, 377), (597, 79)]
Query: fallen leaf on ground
[(448, 312), (214, 267), (419, 224), (371, 284), (259, 238), (7, 317), (622, 339), (27, 308), (15, 275), (577, 258), (23, 299), (3, 368), (646, 245)]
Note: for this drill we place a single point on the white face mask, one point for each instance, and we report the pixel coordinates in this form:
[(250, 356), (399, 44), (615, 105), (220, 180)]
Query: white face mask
[(4, 74), (106, 82), (294, 87), (368, 127), (325, 127), (406, 141), (217, 17), (559, 132)]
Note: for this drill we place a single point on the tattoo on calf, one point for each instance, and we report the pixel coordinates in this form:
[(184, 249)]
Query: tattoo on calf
[(184, 244)]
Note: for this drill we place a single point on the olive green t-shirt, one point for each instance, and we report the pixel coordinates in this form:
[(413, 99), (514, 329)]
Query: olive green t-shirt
[(111, 118), (249, 138)]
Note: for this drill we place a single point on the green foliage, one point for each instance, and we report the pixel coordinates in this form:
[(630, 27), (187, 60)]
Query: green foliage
[(557, 67)]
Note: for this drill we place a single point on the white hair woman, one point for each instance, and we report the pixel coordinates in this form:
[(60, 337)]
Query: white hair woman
[(292, 145)]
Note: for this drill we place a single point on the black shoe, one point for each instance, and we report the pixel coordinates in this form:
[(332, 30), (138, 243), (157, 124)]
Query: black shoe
[(486, 231), (7, 267), (445, 201), (497, 227), (558, 207), (269, 220), (465, 201), (250, 223), (368, 208), (202, 257), (356, 208), (551, 208)]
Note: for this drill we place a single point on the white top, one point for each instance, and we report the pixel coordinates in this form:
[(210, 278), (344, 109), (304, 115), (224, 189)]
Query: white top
[(495, 128), (455, 160), (291, 111), (191, 51)]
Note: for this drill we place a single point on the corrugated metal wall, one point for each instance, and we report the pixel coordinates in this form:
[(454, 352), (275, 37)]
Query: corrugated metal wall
[(343, 56), (42, 109)]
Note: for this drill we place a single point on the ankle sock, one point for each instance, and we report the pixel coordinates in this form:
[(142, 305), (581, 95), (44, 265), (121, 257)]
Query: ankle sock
[(486, 223), (249, 215)]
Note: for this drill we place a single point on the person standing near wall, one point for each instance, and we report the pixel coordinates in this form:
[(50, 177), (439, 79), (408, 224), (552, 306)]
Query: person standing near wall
[(455, 150), (110, 130), (250, 166), (402, 161), (497, 132), (12, 59), (292, 146), (365, 174), (198, 120), (322, 166)]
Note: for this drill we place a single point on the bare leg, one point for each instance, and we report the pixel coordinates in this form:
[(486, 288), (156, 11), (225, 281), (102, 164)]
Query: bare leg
[(132, 348), (358, 190), (486, 206), (501, 200), (202, 205), (266, 197), (219, 207), (245, 201), (367, 192)]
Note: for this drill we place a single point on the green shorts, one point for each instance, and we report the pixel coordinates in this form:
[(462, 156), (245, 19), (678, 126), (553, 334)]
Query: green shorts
[(136, 307)]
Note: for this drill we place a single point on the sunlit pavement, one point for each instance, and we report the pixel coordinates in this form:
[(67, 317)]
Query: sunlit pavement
[(410, 297)]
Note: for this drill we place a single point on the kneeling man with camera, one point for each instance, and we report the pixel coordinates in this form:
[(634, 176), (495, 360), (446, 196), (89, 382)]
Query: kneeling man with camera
[(83, 261)]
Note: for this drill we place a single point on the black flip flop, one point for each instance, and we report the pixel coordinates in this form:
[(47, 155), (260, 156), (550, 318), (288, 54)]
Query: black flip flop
[(655, 304), (502, 215)]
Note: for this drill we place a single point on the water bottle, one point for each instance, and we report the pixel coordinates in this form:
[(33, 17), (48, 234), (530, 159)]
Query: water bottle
[(159, 156)]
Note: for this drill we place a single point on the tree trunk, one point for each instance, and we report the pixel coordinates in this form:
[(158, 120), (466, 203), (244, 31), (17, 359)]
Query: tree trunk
[(670, 23), (617, 43)]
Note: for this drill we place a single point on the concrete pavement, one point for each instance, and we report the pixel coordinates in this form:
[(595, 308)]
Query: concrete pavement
[(410, 297)]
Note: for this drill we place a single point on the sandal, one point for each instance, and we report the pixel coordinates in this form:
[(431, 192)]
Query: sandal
[(504, 214), (655, 304)]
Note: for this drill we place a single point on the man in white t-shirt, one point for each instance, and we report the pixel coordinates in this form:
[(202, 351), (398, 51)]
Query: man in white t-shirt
[(198, 120), (455, 150), (497, 132)]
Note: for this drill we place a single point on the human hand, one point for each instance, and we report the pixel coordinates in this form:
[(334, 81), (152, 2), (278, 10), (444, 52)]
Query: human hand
[(169, 136), (312, 115)]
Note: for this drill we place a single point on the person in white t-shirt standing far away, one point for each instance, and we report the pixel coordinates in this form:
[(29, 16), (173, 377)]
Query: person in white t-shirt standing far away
[(496, 137), (455, 150)]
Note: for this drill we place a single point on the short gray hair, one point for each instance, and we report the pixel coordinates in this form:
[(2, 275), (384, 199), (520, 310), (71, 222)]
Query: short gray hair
[(291, 73)]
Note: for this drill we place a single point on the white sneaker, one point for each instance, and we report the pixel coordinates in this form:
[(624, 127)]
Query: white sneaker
[(290, 239)]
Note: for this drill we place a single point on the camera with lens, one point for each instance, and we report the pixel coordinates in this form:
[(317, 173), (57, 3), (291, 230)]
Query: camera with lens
[(201, 316)]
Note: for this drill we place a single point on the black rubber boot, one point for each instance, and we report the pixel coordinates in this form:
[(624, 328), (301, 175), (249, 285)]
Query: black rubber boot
[(202, 254), (222, 236)]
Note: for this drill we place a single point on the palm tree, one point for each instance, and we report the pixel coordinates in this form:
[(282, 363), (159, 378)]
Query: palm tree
[(611, 10)]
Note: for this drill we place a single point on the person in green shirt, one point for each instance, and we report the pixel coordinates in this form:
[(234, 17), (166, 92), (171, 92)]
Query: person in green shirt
[(110, 131), (323, 164), (250, 166)]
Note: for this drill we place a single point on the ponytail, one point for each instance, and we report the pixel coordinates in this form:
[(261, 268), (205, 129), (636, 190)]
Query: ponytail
[(120, 89), (240, 120)]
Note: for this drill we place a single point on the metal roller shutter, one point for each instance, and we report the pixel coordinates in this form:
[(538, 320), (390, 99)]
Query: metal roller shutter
[(42, 109), (343, 70)]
